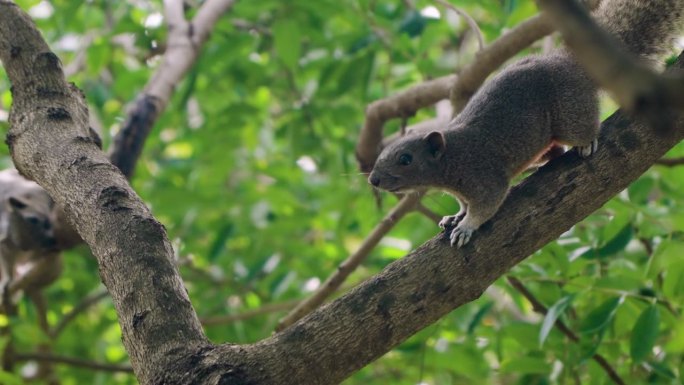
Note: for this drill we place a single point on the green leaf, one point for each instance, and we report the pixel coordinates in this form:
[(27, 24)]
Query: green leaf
[(477, 318), (527, 365), (645, 333), (661, 369), (601, 317), (8, 378), (287, 41), (640, 190), (552, 315), (616, 244)]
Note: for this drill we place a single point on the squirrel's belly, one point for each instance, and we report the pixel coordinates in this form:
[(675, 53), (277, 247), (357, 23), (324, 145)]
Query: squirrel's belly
[(538, 158)]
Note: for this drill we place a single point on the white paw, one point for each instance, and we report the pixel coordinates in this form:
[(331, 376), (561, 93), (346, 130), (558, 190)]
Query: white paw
[(450, 220), (461, 235), (587, 151)]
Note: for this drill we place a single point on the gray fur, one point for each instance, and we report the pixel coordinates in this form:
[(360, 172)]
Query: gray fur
[(515, 117)]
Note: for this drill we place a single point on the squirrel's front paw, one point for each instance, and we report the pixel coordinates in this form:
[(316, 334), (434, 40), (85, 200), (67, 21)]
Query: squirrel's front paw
[(461, 235), (451, 220)]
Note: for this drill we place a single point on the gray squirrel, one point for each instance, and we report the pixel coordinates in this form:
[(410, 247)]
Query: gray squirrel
[(27, 218), (531, 106)]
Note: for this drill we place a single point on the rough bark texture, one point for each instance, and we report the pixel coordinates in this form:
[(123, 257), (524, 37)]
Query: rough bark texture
[(49, 143)]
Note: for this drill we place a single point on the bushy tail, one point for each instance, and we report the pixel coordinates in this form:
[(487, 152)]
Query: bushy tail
[(646, 27)]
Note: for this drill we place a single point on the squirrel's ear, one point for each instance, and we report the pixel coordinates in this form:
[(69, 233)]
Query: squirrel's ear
[(436, 142)]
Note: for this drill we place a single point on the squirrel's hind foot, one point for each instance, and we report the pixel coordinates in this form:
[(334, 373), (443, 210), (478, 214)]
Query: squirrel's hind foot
[(587, 151), (460, 236)]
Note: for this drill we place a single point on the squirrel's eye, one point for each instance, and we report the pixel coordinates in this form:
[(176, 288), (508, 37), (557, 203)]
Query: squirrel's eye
[(405, 159)]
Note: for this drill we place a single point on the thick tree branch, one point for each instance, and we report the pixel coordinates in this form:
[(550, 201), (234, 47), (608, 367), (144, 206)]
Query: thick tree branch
[(183, 48), (417, 290), (50, 143)]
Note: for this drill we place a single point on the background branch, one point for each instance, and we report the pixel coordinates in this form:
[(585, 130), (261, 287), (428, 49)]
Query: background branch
[(670, 162), (183, 49), (78, 309), (335, 280), (493, 56), (560, 325)]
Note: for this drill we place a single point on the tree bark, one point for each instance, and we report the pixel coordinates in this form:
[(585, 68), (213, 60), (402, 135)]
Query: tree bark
[(49, 143)]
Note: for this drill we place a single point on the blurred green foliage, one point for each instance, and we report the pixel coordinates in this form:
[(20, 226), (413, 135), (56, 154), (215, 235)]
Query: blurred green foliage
[(251, 169)]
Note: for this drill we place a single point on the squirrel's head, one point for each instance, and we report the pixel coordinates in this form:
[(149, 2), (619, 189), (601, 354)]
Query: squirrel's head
[(410, 162), (31, 220)]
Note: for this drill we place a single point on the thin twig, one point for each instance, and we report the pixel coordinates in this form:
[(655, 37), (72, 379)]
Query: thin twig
[(431, 215), (541, 309), (406, 205), (183, 48), (471, 22), (493, 56), (78, 309), (670, 162)]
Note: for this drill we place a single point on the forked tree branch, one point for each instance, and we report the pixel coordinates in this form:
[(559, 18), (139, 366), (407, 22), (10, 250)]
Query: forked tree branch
[(160, 329)]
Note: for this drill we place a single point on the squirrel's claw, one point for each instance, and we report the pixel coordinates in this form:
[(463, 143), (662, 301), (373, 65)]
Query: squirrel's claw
[(460, 236), (450, 220)]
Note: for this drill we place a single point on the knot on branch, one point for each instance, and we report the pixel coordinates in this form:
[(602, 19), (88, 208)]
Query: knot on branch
[(112, 198), (58, 114), (15, 51), (48, 61)]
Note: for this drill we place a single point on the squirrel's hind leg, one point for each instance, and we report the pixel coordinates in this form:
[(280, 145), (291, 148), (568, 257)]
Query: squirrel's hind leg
[(587, 151)]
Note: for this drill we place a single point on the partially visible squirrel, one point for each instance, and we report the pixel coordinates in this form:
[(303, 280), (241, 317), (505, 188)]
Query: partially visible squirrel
[(27, 218), (529, 107)]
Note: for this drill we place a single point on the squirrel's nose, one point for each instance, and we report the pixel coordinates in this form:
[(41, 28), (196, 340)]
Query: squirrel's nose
[(374, 180)]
